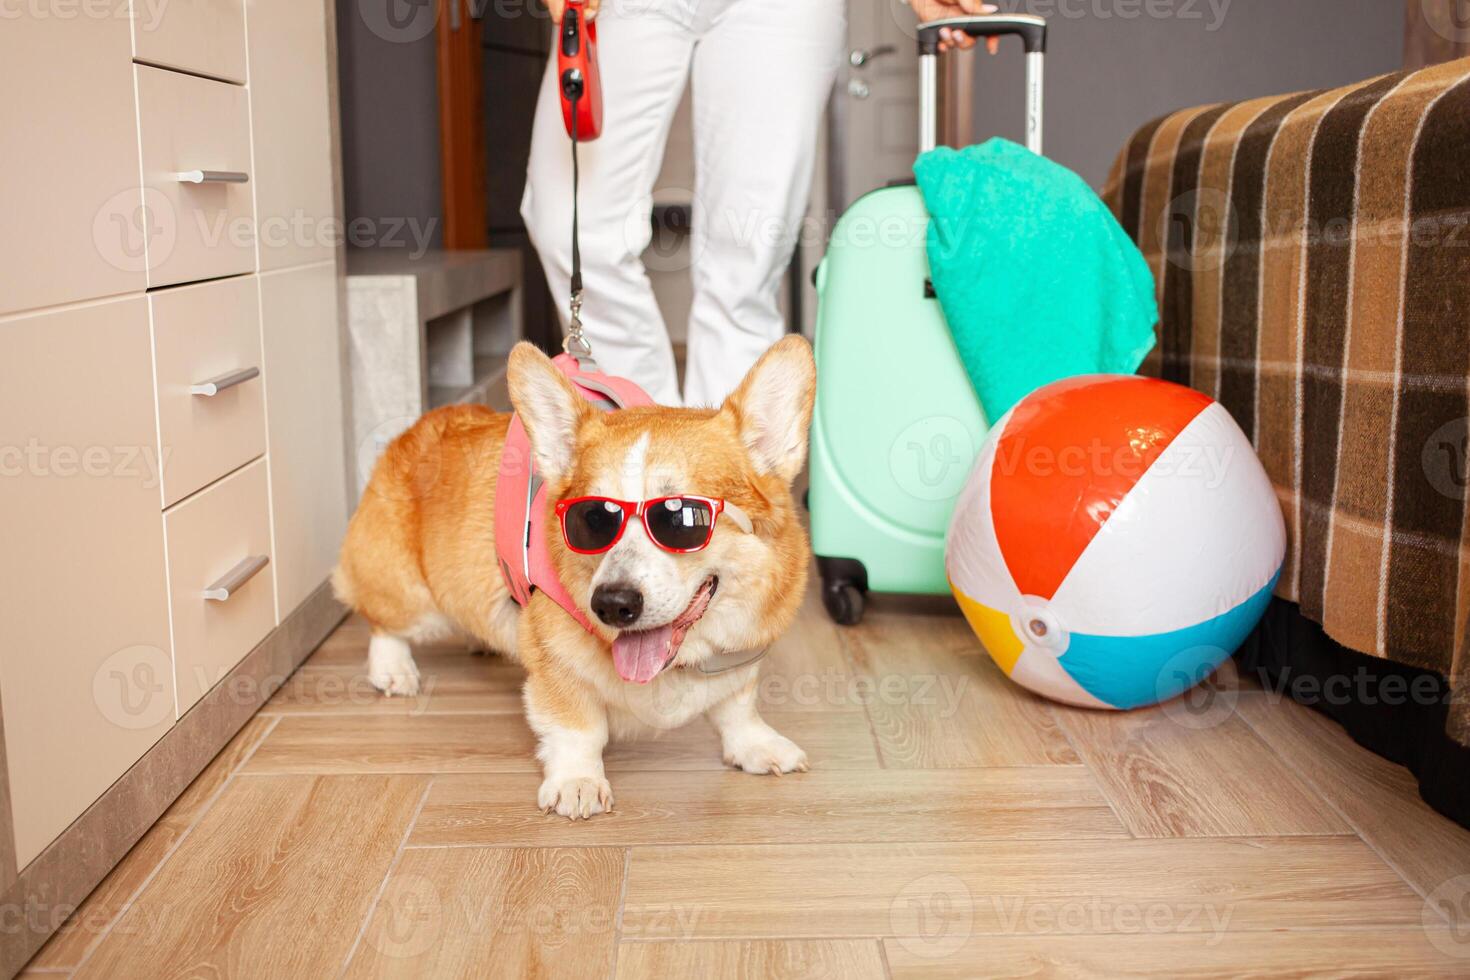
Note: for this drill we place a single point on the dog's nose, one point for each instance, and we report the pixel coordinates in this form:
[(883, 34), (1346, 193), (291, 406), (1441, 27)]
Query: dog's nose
[(617, 605)]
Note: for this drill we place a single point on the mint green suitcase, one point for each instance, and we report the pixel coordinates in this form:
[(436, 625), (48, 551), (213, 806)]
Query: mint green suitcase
[(897, 424)]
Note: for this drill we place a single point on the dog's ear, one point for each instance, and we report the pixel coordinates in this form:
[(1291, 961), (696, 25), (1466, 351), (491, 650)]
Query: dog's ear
[(549, 407), (772, 408)]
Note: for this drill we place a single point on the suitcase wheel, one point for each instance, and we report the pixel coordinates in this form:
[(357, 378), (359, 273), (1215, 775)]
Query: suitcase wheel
[(844, 589), (844, 602)]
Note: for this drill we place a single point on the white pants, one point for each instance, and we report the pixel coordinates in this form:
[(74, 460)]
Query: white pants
[(762, 71)]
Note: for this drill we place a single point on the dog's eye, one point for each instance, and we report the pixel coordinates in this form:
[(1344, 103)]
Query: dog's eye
[(592, 525), (602, 519), (681, 524)]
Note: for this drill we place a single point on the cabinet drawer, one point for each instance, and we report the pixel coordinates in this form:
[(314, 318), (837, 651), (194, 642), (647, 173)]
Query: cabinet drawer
[(211, 407), (198, 127), (220, 535), (85, 674), (203, 36)]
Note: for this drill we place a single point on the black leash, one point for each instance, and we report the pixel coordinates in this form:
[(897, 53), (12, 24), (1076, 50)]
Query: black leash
[(576, 177), (576, 344)]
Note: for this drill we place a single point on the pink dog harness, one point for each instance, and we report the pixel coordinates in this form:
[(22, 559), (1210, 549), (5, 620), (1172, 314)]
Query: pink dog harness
[(521, 508)]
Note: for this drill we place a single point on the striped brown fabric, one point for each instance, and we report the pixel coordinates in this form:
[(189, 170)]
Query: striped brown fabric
[(1312, 256)]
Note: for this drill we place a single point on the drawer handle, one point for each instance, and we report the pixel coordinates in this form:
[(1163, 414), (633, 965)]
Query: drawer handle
[(232, 580), (216, 385), (212, 177)]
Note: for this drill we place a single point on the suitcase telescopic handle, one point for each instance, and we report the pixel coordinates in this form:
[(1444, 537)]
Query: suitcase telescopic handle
[(1031, 30)]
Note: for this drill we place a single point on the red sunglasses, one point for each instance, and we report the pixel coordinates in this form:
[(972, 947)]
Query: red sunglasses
[(681, 524)]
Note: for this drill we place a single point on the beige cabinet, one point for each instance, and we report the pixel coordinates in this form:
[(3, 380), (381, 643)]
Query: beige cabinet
[(172, 475), (85, 672), (70, 162), (211, 396), (195, 135), (220, 579), (290, 110), (303, 397), (205, 37)]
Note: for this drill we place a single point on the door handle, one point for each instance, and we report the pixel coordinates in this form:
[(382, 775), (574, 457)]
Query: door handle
[(212, 177), (861, 56), (218, 384), (232, 581)]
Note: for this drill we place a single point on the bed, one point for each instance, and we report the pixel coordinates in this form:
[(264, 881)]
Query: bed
[(1312, 256)]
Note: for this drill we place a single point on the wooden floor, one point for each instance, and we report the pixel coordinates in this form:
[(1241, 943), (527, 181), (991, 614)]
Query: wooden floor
[(952, 825)]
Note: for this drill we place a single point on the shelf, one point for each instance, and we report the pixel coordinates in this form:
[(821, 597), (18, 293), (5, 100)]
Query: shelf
[(427, 331), (488, 387)]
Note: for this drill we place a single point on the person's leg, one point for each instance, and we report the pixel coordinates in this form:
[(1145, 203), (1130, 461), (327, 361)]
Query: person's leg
[(644, 58), (762, 76)]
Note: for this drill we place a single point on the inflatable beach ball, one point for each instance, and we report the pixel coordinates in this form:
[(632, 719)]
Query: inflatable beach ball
[(1117, 539)]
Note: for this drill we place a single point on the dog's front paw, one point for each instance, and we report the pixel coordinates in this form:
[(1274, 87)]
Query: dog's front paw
[(391, 668), (400, 678), (577, 797), (773, 754)]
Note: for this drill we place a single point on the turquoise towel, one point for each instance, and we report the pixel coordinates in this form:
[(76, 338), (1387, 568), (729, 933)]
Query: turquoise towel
[(1037, 280)]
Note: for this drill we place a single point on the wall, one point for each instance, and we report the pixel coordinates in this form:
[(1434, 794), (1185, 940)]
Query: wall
[(390, 119), (390, 144), (1111, 67), (514, 59)]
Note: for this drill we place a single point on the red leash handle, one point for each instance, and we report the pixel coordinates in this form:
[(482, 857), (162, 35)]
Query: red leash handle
[(576, 69)]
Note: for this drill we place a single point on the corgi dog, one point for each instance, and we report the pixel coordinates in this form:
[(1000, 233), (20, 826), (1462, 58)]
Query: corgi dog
[(676, 536)]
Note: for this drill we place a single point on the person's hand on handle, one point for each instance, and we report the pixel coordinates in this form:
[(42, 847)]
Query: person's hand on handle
[(557, 6), (939, 10)]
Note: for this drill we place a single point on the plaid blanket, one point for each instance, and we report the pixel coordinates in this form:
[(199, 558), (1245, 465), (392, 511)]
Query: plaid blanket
[(1312, 254)]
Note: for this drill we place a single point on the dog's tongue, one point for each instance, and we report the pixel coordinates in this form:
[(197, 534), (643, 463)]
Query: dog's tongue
[(639, 656)]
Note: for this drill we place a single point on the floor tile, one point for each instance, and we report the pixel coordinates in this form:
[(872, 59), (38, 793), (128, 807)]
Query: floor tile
[(275, 880), (1002, 887), (502, 912), (733, 807)]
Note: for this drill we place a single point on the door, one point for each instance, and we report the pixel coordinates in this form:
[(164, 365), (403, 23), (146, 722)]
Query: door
[(874, 133), (1435, 31), (461, 118)]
